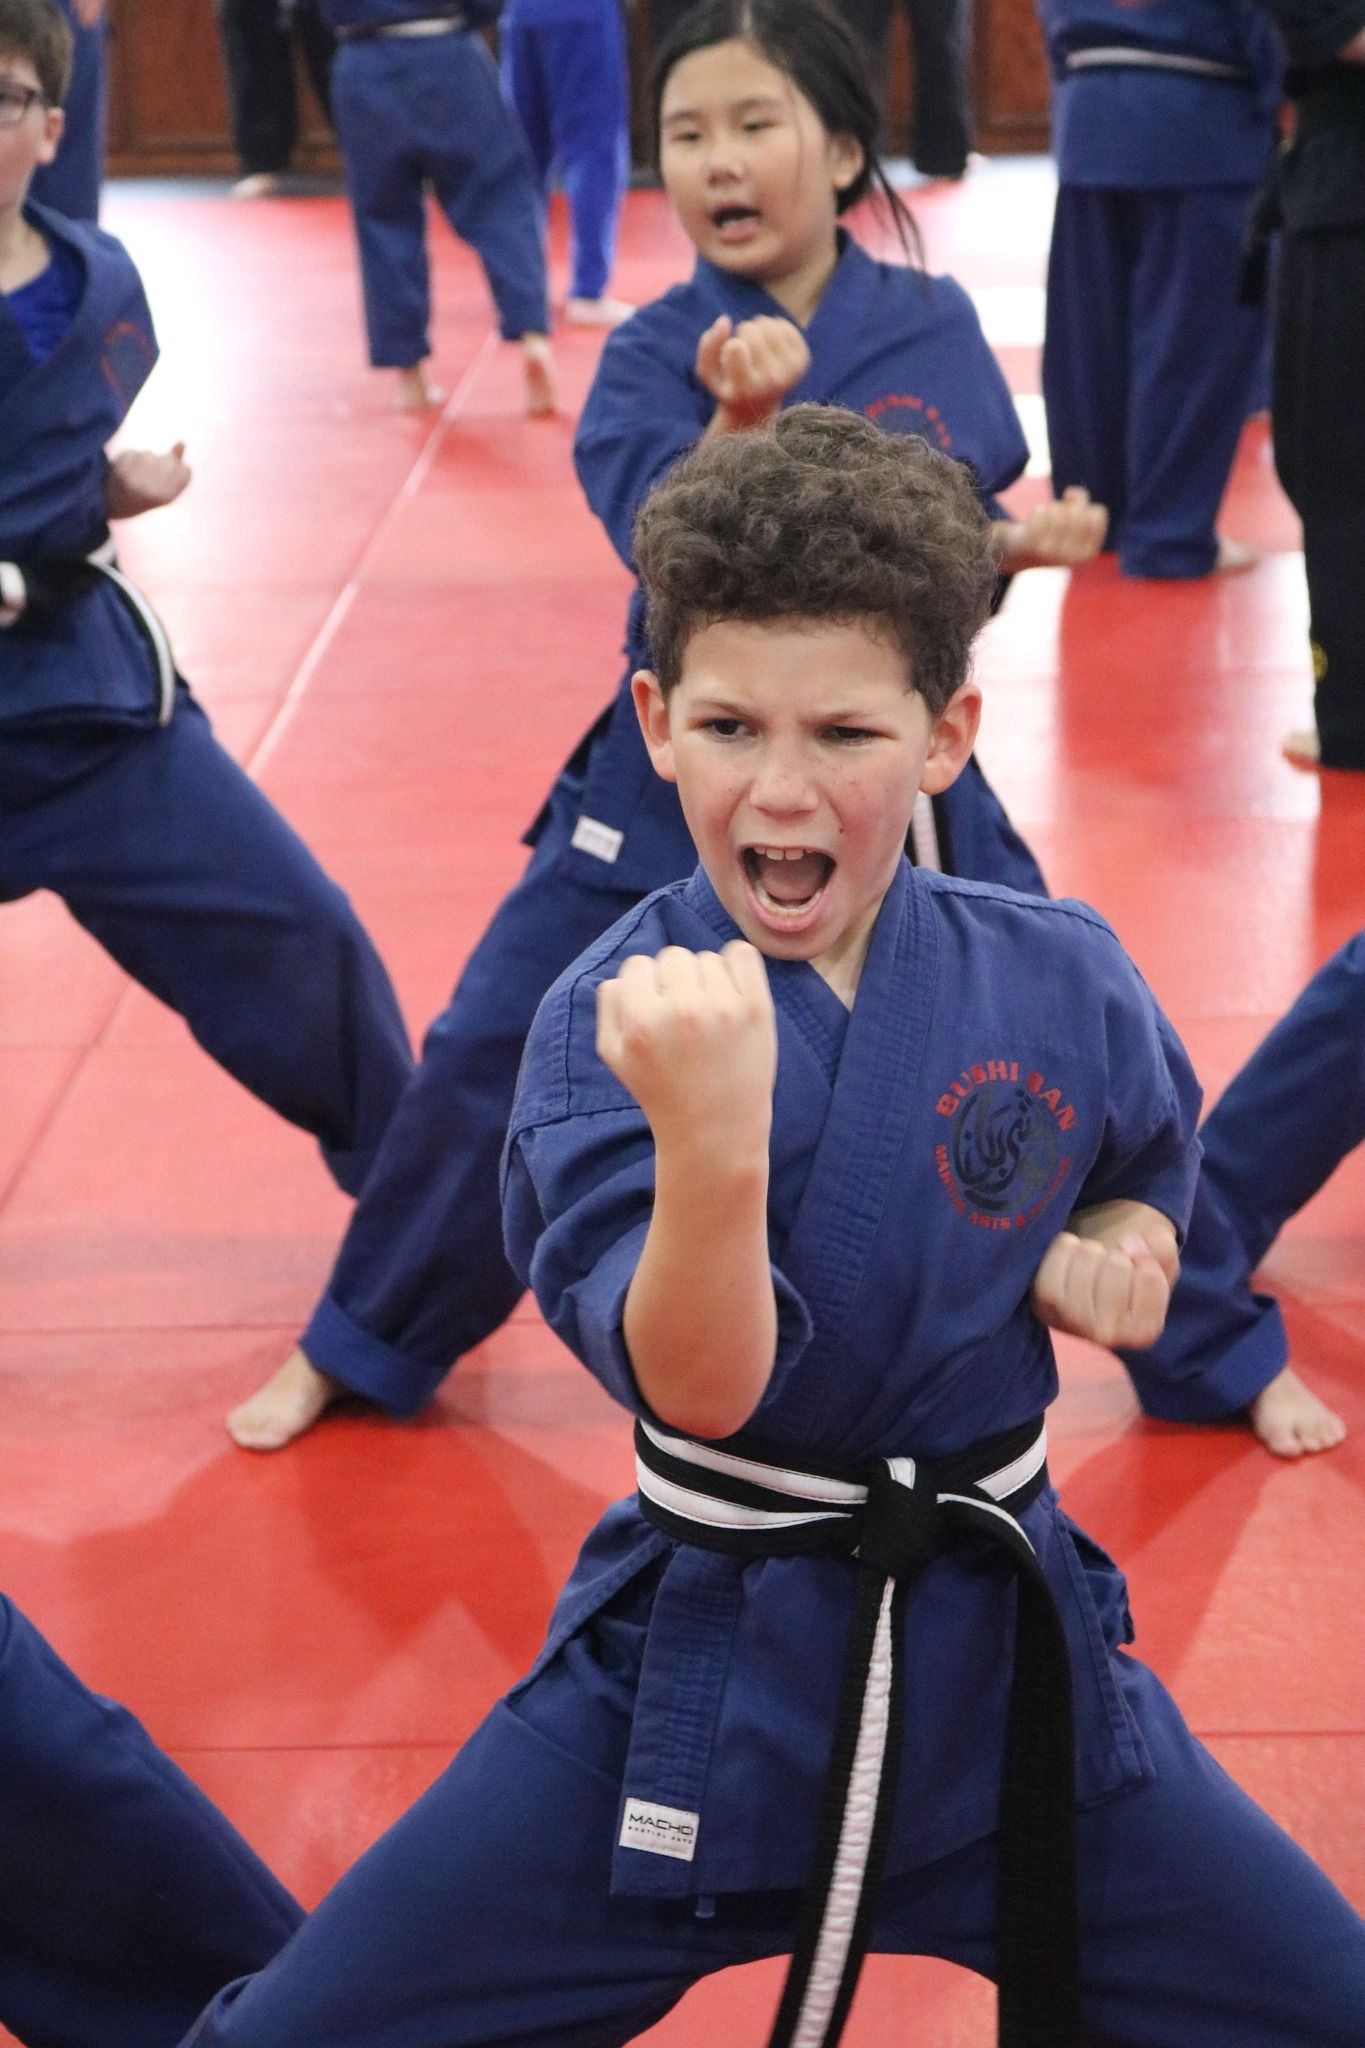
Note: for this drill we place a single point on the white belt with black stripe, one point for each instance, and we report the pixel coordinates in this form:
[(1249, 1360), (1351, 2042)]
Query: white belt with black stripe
[(896, 1517), (39, 588)]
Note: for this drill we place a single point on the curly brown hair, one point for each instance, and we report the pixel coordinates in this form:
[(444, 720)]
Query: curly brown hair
[(39, 31), (820, 516)]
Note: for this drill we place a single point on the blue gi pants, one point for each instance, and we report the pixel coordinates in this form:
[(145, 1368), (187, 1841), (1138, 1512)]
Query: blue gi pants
[(422, 1276), (126, 1898), (173, 859), (71, 184), (570, 89), (1150, 363), (413, 111), (1280, 1128), (483, 1917)]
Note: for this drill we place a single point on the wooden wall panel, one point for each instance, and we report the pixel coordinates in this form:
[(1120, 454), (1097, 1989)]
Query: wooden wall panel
[(167, 101)]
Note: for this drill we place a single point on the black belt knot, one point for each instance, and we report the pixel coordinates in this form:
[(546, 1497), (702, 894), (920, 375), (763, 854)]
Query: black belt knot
[(902, 1528)]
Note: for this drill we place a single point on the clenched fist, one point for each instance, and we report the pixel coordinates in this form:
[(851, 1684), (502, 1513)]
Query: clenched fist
[(749, 369), (693, 1037), (1109, 1277)]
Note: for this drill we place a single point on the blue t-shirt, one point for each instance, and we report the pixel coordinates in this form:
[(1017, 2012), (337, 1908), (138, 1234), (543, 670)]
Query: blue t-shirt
[(45, 307)]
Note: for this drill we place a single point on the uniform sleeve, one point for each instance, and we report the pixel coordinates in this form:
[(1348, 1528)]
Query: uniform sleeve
[(997, 448), (644, 409), (1149, 1151), (577, 1199)]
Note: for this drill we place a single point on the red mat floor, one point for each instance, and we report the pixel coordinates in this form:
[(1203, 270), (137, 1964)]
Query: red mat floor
[(402, 626)]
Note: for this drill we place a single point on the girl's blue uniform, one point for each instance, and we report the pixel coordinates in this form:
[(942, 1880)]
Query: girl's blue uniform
[(565, 71), (1279, 1129), (414, 110), (641, 1809), (71, 183), (421, 1277), (126, 1898), (114, 793), (1150, 360)]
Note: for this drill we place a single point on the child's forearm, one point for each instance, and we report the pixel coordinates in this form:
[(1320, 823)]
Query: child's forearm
[(701, 1315)]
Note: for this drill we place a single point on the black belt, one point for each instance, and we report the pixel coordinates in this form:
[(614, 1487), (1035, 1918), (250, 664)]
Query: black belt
[(40, 587), (897, 1516)]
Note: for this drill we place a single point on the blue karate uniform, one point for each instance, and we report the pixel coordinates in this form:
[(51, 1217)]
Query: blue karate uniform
[(113, 791), (71, 183), (421, 1277), (1279, 1129), (564, 69), (126, 1897), (1150, 361), (1002, 1064), (419, 110)]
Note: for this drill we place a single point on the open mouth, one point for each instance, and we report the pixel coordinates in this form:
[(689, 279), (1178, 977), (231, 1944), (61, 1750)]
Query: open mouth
[(734, 222), (787, 883)]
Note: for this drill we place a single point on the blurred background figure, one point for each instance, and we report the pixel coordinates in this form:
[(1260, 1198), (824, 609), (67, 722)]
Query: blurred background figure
[(71, 185), (258, 38), (564, 69), (940, 43), (1318, 413)]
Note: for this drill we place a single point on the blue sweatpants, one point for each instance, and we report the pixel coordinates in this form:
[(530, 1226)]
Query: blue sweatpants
[(570, 88), (1280, 1128), (173, 859), (483, 1918), (426, 110), (126, 1898), (1150, 363), (422, 1276), (71, 184)]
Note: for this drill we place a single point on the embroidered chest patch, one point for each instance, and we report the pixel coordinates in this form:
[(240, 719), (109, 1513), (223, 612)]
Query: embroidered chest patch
[(1005, 1153)]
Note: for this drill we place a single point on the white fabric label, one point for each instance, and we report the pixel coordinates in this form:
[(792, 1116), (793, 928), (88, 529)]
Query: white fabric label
[(604, 842), (661, 1830)]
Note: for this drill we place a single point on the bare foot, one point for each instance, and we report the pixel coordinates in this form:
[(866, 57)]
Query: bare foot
[(289, 1403), (1289, 1418), (599, 312), (1302, 746), (539, 365), (1234, 556), (256, 185), (416, 392)]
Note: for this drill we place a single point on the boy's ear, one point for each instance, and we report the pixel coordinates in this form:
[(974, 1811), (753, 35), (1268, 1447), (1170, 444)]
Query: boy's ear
[(652, 712), (951, 739), (54, 127)]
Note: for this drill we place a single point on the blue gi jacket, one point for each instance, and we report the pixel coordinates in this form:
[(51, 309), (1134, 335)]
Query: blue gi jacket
[(1144, 129), (1002, 1064), (91, 659), (905, 349)]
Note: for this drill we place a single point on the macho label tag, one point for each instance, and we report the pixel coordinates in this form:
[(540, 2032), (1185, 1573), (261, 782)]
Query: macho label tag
[(660, 1830), (590, 835)]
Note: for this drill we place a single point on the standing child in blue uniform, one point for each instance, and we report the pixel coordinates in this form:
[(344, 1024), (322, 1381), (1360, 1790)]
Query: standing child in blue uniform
[(767, 127), (416, 103), (806, 1153), (1280, 1127), (113, 791), (1163, 127), (565, 71), (126, 1897)]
